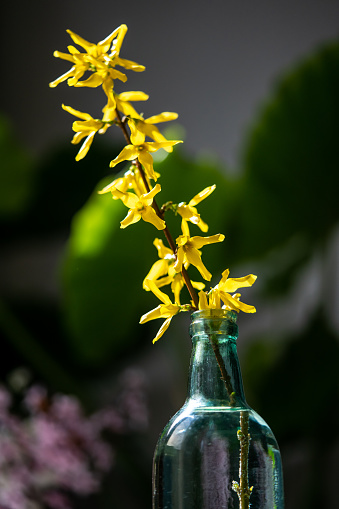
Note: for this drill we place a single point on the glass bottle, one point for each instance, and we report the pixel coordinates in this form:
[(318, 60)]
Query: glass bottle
[(202, 459)]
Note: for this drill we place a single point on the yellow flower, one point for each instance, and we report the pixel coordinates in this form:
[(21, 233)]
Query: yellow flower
[(95, 56), (103, 75), (231, 284), (114, 58), (131, 181), (76, 72), (96, 59), (176, 286), (203, 301), (88, 127), (227, 285), (220, 292), (140, 207), (166, 310), (188, 250), (142, 153), (178, 283), (190, 213), (163, 273), (121, 102), (141, 128)]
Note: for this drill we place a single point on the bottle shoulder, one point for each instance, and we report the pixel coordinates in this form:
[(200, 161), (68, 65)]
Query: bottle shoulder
[(195, 419)]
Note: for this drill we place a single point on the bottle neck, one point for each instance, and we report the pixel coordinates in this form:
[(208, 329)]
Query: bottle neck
[(215, 377)]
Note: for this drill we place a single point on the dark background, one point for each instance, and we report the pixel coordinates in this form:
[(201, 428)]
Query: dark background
[(214, 62), (256, 88)]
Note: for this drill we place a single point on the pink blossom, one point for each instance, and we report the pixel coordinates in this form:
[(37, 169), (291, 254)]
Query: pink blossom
[(56, 449)]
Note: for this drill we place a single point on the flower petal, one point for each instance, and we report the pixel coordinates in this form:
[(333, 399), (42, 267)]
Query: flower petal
[(147, 161), (199, 242), (114, 74), (194, 257), (233, 302), (88, 46), (107, 87), (131, 218), (202, 195), (188, 213), (126, 108), (76, 113), (137, 137), (116, 184), (95, 80), (224, 276), (154, 146), (79, 72), (150, 216), (176, 287), (233, 283), (78, 137), (128, 64), (87, 125), (106, 43), (184, 228), (131, 200), (180, 259), (151, 315), (158, 269), (147, 198), (198, 285), (163, 329), (62, 78), (158, 293), (116, 46), (203, 226), (163, 281), (203, 303), (85, 147), (128, 153), (133, 96), (214, 299), (64, 56), (163, 251), (162, 117)]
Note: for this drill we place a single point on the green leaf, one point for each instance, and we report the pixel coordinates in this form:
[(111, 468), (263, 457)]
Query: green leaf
[(291, 159), (105, 266)]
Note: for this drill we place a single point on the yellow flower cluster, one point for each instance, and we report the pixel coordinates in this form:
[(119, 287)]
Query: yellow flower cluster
[(135, 188)]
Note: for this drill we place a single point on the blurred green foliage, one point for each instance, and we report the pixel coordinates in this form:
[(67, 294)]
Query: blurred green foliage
[(284, 199), (16, 175), (287, 190), (290, 166)]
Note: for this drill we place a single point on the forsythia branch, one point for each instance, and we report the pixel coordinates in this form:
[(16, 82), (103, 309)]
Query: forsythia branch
[(134, 188)]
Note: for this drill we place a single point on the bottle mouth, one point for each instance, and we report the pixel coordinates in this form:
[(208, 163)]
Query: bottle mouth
[(219, 322), (215, 313)]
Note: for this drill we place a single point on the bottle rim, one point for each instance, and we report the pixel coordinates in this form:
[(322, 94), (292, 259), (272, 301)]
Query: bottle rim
[(215, 313)]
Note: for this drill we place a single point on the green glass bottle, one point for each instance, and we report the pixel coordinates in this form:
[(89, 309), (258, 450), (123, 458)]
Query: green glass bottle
[(216, 452)]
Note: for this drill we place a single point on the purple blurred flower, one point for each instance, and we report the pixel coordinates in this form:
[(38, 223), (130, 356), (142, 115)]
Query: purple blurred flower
[(35, 398), (57, 450), (5, 400)]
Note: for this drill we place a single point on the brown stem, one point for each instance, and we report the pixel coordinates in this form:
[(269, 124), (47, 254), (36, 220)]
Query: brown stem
[(242, 489), (166, 231), (224, 374), (122, 126), (244, 492)]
